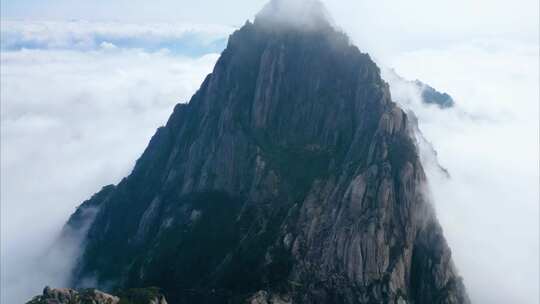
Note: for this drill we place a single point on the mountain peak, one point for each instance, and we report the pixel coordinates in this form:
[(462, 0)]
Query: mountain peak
[(290, 177), (299, 14)]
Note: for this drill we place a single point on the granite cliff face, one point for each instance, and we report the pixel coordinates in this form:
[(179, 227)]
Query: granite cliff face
[(290, 177)]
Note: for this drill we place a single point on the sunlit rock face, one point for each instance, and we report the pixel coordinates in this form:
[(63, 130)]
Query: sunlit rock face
[(290, 177)]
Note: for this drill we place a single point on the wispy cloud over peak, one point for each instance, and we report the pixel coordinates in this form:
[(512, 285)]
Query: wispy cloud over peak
[(304, 14)]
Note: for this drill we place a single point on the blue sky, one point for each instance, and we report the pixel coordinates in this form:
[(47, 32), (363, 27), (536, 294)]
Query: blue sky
[(203, 11)]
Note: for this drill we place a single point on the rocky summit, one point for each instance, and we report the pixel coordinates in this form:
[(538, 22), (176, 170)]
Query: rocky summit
[(290, 177)]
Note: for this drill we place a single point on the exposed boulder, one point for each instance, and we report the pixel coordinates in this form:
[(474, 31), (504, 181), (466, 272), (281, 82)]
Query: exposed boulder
[(93, 296)]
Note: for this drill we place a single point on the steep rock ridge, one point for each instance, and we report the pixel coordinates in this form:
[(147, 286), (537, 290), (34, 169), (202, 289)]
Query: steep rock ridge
[(427, 153), (290, 177)]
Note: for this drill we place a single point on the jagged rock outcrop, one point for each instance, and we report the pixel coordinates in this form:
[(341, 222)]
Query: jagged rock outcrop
[(432, 96), (92, 296), (411, 90), (290, 177)]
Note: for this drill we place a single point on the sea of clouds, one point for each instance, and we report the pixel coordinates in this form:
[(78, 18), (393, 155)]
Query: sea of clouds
[(80, 101), (78, 107), (81, 35)]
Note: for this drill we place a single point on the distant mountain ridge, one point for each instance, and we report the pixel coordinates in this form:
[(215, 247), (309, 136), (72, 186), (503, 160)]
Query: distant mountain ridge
[(432, 96), (290, 177), (426, 93)]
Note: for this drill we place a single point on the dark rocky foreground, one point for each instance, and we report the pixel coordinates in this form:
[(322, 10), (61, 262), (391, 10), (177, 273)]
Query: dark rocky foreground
[(290, 177), (92, 296)]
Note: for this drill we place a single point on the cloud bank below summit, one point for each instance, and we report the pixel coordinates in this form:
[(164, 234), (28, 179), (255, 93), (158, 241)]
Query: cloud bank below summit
[(73, 120)]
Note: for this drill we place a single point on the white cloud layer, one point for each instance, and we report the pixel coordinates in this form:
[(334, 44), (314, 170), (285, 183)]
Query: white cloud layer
[(72, 122), (490, 145), (187, 39)]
